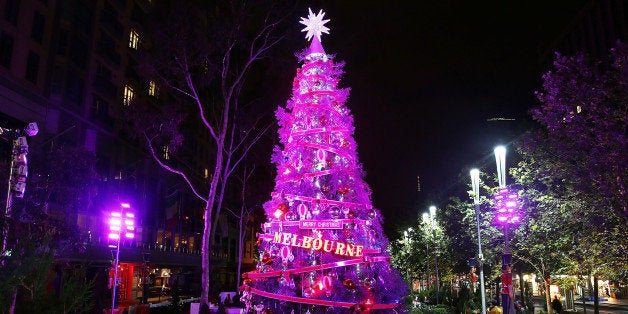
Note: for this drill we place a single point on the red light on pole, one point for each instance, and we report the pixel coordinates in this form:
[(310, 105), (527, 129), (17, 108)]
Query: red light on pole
[(120, 222)]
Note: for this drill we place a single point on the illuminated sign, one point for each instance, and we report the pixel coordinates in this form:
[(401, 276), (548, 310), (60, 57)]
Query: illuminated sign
[(320, 224), (329, 246)]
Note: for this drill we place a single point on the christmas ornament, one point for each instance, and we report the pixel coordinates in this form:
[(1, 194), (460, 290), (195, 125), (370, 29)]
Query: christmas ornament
[(334, 212), (343, 190), (372, 214), (349, 284)]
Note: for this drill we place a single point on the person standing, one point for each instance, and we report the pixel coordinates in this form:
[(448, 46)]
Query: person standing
[(557, 305), (495, 309)]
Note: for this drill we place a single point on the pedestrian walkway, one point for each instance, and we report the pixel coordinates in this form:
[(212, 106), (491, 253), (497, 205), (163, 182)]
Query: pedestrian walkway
[(610, 305)]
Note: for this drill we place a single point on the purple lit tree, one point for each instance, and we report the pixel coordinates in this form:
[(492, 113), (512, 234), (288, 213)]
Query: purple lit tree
[(573, 169), (322, 247)]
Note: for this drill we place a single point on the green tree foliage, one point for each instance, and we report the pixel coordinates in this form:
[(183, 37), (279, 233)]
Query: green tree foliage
[(574, 167), (61, 181)]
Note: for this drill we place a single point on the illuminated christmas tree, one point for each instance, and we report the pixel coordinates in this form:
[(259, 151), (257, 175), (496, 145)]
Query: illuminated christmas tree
[(322, 248)]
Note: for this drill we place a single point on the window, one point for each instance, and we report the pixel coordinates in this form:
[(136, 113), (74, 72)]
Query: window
[(63, 40), (58, 80), (11, 11), (6, 50), (37, 32), (152, 88), (129, 94), (90, 140), (99, 109), (78, 52), (32, 67), (74, 87), (134, 39), (206, 173), (166, 152)]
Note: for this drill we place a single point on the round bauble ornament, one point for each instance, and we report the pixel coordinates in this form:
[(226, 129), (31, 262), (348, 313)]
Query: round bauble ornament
[(291, 216), (283, 207), (344, 143), (368, 281), (334, 212), (372, 214), (333, 275), (325, 188), (267, 311), (351, 214), (247, 281), (343, 190), (349, 284), (316, 210), (323, 120), (267, 259)]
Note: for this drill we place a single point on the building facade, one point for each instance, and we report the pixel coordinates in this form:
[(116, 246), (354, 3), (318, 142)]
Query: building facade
[(71, 66)]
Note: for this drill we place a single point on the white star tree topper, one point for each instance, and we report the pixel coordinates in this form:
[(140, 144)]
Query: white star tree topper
[(314, 25)]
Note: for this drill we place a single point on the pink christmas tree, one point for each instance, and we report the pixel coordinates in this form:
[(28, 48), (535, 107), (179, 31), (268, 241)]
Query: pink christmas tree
[(322, 249)]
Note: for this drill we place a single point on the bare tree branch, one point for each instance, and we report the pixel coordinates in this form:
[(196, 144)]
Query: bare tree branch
[(170, 169)]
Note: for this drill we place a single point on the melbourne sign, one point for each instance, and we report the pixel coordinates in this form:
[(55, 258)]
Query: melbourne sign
[(318, 244)]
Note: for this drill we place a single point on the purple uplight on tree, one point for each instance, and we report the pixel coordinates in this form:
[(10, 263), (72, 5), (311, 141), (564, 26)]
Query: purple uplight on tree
[(507, 205), (122, 221), (119, 225)]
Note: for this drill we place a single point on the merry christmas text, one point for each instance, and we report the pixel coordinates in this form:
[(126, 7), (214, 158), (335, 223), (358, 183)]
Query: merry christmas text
[(329, 246)]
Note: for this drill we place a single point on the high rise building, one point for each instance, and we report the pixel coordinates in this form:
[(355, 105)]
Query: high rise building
[(71, 66)]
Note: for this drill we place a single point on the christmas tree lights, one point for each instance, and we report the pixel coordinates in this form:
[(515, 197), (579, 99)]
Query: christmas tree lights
[(322, 248)]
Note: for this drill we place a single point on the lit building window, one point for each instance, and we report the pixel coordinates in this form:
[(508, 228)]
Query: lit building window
[(206, 173), (134, 39), (578, 109), (129, 94), (152, 88), (166, 152)]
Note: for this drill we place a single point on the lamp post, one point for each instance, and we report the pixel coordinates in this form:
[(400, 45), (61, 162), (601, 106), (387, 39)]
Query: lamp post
[(475, 183), (506, 204), (121, 222), (433, 225), (18, 171), (408, 241)]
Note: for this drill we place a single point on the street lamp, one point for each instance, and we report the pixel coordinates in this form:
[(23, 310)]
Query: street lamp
[(432, 217), (18, 171), (121, 223), (475, 183), (506, 204), (407, 234)]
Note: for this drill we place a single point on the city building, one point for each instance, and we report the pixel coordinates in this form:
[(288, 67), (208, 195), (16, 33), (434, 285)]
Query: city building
[(71, 66)]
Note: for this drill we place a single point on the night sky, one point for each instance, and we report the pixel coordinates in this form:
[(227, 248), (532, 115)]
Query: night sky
[(425, 76)]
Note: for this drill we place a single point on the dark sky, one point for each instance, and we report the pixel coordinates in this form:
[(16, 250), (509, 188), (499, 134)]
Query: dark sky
[(425, 76)]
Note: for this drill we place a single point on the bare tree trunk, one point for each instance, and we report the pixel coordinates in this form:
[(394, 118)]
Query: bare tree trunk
[(207, 231), (523, 300), (596, 302), (548, 297), (12, 308), (241, 233)]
